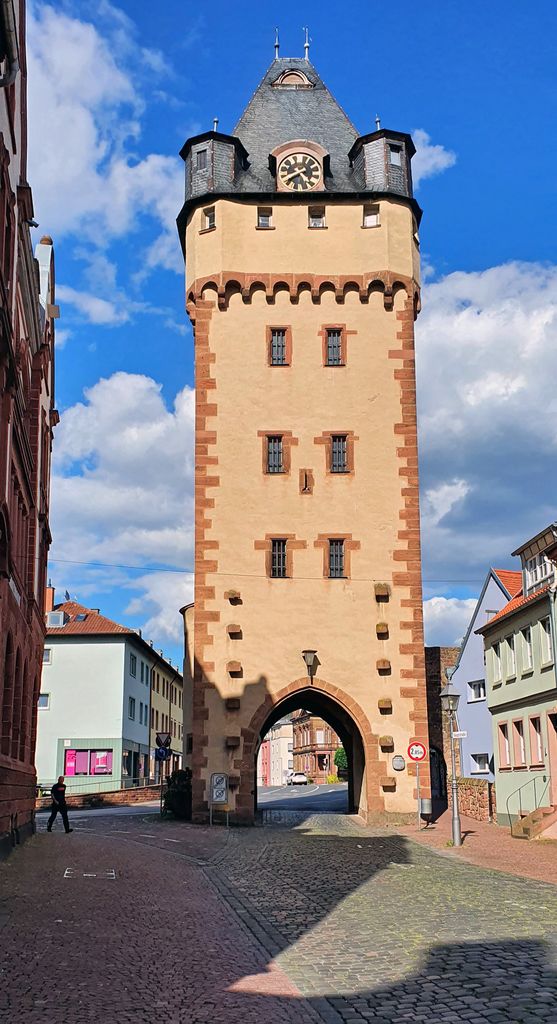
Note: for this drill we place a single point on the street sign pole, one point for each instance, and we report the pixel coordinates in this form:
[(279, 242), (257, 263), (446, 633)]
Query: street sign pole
[(419, 823), (417, 752)]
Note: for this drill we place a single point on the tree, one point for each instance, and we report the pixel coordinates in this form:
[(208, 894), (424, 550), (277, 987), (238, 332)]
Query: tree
[(341, 759)]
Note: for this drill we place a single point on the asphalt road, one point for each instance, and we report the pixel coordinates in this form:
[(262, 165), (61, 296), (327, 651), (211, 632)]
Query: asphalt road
[(317, 799)]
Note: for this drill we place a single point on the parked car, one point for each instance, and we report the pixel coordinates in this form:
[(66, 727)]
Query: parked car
[(289, 775), (299, 779)]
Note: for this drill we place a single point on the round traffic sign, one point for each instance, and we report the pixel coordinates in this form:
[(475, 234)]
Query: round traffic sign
[(417, 751)]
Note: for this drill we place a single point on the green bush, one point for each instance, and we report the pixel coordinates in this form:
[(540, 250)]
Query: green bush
[(341, 759)]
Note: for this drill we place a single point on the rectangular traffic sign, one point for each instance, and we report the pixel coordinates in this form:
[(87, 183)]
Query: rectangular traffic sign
[(460, 735)]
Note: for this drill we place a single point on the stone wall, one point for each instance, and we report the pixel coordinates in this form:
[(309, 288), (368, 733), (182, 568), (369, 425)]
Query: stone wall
[(117, 797), (476, 799)]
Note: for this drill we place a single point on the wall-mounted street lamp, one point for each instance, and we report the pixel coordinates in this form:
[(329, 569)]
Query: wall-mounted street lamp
[(310, 658), (449, 703)]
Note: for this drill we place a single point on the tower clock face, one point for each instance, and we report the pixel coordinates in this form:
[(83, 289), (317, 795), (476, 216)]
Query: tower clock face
[(299, 172)]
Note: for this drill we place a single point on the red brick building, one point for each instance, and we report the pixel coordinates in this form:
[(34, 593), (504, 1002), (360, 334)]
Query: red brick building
[(315, 746), (27, 418)]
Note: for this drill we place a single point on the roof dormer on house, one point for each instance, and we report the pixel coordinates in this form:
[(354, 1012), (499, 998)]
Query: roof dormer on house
[(538, 560)]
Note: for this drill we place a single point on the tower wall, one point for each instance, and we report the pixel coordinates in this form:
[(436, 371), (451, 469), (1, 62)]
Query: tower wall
[(241, 282)]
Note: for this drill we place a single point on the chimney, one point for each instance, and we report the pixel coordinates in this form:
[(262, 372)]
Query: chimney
[(49, 597)]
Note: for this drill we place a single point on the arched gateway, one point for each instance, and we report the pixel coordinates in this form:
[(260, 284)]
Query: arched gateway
[(302, 284)]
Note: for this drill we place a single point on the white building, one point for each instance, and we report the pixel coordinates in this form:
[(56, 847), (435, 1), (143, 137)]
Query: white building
[(94, 705), (281, 758)]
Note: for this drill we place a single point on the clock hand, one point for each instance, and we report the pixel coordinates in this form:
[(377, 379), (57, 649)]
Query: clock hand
[(293, 175)]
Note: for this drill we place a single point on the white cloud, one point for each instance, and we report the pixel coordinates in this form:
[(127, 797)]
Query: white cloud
[(163, 594), (486, 347), (446, 620), (93, 308), (429, 159), (122, 491), (84, 111)]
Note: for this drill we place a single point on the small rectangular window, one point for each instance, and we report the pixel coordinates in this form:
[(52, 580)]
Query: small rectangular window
[(274, 454), (526, 644), (504, 746), (201, 160), (142, 666), (510, 656), (316, 217), (536, 742), (278, 558), (209, 220), (141, 712), (47, 656), (547, 651), (156, 718), (496, 658), (371, 215), (131, 708), (133, 665), (336, 559), (44, 700), (152, 718), (518, 744), (476, 690), (278, 347), (264, 217), (480, 763), (395, 155), (339, 462), (334, 347), (100, 762)]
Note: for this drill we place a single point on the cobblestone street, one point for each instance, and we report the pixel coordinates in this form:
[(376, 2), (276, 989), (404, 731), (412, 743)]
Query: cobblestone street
[(305, 919)]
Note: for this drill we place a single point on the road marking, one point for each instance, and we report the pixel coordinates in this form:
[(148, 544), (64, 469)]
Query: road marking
[(172, 840), (144, 835), (72, 873), (122, 831)]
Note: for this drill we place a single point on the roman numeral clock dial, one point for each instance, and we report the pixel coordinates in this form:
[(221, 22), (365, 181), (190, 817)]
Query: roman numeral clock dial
[(299, 172)]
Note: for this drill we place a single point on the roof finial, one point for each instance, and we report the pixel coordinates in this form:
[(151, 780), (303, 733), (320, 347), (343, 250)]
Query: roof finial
[(215, 124), (277, 44), (306, 44), (377, 122)]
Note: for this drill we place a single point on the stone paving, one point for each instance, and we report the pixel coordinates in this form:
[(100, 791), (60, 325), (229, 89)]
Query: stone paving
[(305, 920)]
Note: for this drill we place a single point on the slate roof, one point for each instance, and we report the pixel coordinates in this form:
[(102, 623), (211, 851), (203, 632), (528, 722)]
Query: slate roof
[(92, 623), (277, 115)]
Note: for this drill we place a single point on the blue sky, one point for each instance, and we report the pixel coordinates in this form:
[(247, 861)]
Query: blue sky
[(113, 94)]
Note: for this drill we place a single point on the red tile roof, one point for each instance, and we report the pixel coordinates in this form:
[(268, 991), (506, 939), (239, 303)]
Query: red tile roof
[(511, 580), (514, 604), (92, 623)]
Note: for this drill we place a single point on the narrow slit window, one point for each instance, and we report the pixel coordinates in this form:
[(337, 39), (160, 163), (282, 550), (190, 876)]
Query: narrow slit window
[(339, 463), (201, 160), (278, 347), (264, 217), (526, 634), (536, 742), (334, 348), (518, 744), (316, 217), (274, 454), (209, 218), (278, 558), (371, 215), (336, 559)]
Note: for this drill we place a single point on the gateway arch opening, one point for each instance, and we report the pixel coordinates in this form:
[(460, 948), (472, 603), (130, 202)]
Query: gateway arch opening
[(312, 758)]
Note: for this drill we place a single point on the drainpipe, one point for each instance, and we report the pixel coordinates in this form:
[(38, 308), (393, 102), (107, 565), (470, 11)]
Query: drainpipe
[(11, 50)]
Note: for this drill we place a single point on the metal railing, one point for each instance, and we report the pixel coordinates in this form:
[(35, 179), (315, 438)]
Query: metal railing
[(100, 784), (544, 781)]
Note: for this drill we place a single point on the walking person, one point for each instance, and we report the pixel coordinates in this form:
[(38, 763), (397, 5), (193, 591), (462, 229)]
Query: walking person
[(58, 792)]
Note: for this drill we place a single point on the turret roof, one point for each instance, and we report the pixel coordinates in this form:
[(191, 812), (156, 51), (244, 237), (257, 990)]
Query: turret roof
[(276, 115)]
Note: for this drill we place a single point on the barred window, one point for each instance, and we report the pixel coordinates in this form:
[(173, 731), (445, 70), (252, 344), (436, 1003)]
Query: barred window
[(274, 454), (278, 558), (336, 559), (278, 347), (334, 347), (339, 462)]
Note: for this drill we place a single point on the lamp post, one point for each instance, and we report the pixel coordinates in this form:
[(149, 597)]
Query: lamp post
[(449, 703), (310, 658)]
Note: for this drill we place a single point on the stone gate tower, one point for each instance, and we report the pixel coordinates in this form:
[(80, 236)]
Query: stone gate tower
[(302, 283)]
